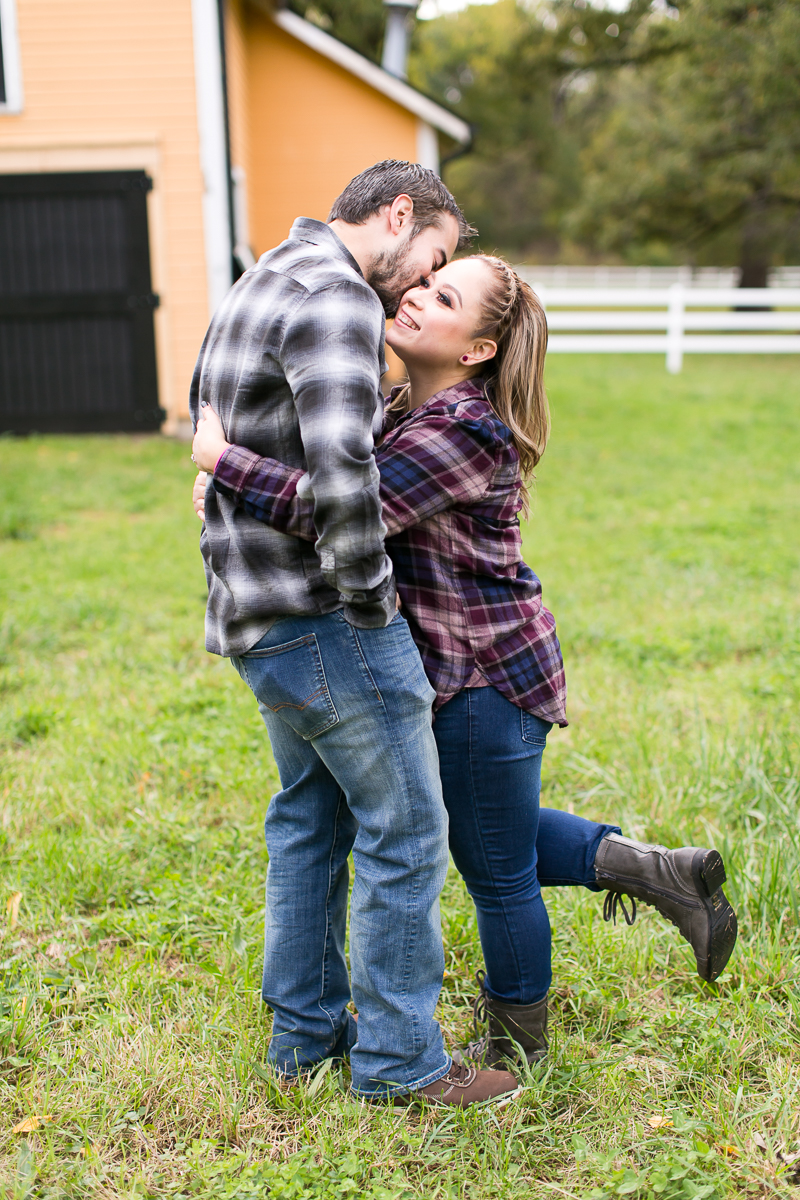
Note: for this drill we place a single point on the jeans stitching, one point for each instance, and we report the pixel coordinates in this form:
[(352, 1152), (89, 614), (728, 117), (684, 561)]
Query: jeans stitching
[(324, 686), (307, 639), (533, 739), (487, 863), (326, 939), (405, 1089), (276, 708), (365, 665), (310, 641), (412, 904), (246, 674)]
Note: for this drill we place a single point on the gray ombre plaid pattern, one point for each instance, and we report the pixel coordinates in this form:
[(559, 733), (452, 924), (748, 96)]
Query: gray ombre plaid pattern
[(292, 363)]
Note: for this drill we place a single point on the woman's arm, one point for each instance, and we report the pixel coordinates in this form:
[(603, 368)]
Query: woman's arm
[(427, 466), (432, 464), (262, 486), (267, 490)]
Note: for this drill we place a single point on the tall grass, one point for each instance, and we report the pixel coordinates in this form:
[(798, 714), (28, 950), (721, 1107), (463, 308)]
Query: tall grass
[(135, 774)]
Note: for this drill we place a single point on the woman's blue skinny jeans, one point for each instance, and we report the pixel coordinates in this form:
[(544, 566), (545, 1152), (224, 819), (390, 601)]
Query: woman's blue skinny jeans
[(504, 845)]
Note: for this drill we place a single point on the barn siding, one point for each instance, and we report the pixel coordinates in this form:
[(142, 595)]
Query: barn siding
[(313, 126), (100, 78)]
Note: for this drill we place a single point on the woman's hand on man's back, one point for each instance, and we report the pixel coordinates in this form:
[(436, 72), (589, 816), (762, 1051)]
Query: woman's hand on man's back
[(199, 494)]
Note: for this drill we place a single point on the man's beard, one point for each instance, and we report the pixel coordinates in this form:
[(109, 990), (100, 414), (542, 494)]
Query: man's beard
[(390, 278)]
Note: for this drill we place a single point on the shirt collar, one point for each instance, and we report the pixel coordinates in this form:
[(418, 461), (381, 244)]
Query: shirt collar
[(317, 233), (468, 389)]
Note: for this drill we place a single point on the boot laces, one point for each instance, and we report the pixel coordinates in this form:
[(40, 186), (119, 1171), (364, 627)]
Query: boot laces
[(615, 900), (477, 1050), (459, 1076), (480, 1013)]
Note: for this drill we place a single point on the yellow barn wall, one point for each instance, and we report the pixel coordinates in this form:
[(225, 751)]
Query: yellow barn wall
[(312, 127), (236, 64), (110, 85)]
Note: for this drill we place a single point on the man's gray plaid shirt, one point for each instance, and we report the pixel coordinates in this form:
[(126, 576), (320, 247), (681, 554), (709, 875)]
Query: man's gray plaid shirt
[(292, 363)]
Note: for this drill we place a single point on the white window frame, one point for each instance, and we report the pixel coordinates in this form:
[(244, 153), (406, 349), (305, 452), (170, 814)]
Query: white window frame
[(12, 71)]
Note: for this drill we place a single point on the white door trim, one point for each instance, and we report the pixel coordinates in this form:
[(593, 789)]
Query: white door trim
[(12, 68), (427, 146), (213, 149)]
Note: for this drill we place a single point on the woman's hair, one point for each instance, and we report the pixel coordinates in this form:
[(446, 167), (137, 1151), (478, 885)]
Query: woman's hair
[(514, 318)]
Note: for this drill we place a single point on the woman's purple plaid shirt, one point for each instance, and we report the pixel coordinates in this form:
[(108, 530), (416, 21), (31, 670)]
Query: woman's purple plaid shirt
[(450, 490)]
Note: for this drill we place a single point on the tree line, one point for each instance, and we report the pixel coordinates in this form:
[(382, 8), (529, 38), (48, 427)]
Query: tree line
[(660, 134)]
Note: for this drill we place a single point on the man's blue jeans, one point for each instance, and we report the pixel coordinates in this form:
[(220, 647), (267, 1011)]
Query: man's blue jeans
[(504, 845), (348, 712)]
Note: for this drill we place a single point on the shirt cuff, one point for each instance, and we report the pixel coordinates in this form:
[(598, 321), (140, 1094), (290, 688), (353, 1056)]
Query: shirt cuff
[(373, 609), (234, 466)]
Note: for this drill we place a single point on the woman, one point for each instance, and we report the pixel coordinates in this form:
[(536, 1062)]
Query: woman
[(459, 442)]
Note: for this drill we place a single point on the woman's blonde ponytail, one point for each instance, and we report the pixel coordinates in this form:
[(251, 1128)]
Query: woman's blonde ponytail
[(515, 319)]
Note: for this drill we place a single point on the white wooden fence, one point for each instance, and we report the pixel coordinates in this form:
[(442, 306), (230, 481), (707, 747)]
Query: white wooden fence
[(673, 321), (559, 275)]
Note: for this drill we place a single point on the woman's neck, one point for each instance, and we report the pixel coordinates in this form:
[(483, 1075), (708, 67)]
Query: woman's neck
[(426, 382)]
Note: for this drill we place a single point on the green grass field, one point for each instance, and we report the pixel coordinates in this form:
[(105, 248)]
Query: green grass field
[(134, 775)]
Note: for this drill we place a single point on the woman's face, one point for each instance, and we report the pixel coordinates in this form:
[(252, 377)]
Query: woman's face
[(436, 321)]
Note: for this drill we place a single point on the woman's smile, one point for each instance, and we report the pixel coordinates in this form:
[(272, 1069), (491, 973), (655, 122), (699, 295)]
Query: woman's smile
[(404, 318), (442, 311)]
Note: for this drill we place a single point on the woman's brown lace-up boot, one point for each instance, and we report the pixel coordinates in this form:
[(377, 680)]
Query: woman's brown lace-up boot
[(511, 1028), (685, 885)]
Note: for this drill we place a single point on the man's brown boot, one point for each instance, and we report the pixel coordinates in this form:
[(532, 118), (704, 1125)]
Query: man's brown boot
[(464, 1085), (511, 1027), (685, 886)]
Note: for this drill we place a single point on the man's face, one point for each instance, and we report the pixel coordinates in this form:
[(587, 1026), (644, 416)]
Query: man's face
[(392, 272)]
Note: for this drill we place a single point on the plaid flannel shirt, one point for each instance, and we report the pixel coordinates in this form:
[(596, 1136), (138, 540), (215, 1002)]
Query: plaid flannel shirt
[(450, 489), (292, 364)]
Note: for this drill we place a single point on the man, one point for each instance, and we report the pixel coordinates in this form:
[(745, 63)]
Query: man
[(292, 364)]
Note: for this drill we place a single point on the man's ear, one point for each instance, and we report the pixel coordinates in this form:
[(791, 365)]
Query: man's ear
[(400, 214), (481, 351)]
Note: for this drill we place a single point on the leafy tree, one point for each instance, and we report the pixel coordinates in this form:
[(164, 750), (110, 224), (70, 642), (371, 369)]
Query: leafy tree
[(357, 23), (521, 76), (701, 152), (654, 134), (510, 181)]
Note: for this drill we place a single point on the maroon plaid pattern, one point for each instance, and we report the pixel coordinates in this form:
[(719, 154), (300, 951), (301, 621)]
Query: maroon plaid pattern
[(450, 490)]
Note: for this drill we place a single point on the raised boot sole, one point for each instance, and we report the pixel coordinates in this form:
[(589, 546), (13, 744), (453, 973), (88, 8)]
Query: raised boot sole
[(708, 873)]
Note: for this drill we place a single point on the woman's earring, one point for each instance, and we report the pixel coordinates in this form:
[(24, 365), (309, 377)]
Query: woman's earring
[(465, 358)]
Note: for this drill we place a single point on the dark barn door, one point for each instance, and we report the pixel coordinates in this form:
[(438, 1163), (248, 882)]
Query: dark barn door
[(77, 348)]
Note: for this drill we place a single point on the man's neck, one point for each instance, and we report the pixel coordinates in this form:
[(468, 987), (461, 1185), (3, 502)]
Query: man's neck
[(426, 383), (358, 239)]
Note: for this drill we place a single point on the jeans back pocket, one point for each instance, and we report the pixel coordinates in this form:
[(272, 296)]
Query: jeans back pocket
[(289, 680), (534, 729)]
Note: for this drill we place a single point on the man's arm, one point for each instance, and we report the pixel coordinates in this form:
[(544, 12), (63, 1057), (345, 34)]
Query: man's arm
[(329, 355)]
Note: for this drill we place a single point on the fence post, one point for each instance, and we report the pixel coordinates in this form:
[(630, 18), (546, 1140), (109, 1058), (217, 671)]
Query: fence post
[(675, 328)]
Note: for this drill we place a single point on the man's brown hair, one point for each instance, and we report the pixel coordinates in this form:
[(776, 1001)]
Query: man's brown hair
[(382, 183)]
